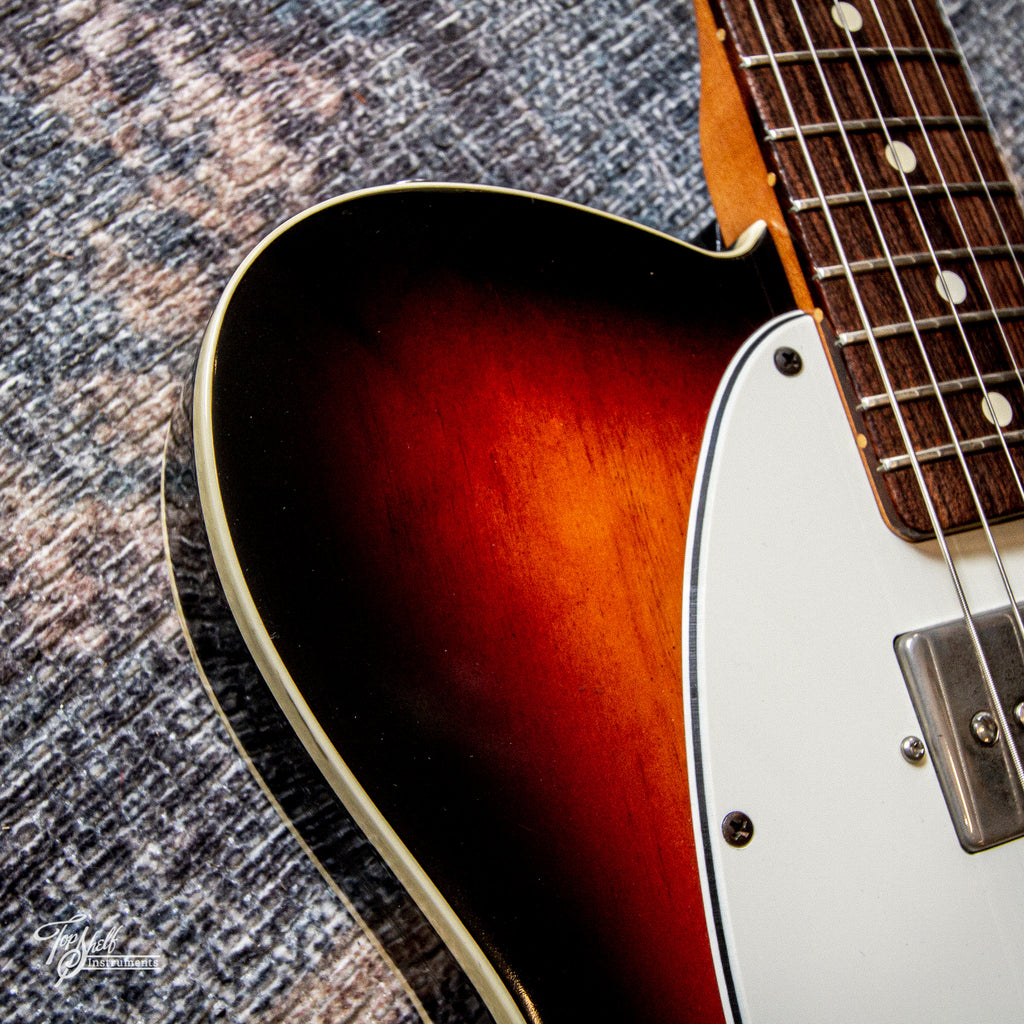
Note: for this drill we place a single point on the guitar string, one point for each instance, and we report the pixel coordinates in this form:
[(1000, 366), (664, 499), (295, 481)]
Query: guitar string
[(980, 178), (931, 249), (851, 281), (876, 353), (935, 261), (888, 254), (994, 700)]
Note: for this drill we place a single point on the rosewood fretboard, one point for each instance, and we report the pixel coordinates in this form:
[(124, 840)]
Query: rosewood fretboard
[(921, 268)]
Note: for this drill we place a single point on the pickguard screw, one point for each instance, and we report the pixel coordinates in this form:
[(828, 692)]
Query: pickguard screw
[(912, 749), (985, 728), (737, 828), (788, 361), (1018, 712)]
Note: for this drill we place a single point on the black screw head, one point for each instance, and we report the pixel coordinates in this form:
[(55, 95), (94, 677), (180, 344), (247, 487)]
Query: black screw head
[(788, 361), (737, 828)]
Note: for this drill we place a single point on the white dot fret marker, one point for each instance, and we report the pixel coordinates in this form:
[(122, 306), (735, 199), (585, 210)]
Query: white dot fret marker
[(901, 157), (951, 287), (1000, 406), (847, 16)]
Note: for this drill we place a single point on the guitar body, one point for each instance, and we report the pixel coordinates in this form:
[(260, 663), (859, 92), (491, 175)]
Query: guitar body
[(552, 539), (447, 441)]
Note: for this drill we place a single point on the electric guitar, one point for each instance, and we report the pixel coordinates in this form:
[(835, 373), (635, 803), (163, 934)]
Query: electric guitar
[(654, 610)]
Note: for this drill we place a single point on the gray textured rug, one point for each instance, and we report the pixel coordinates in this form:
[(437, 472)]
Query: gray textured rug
[(144, 148)]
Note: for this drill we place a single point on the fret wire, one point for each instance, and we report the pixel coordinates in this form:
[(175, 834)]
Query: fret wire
[(955, 386), (938, 267), (971, 446), (887, 382), (871, 124), (916, 259), (957, 188), (931, 323), (760, 60), (994, 700)]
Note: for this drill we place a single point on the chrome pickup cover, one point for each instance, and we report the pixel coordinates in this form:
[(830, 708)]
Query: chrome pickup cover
[(979, 782)]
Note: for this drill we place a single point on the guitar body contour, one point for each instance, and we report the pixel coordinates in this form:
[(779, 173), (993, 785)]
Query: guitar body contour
[(447, 440), (551, 537)]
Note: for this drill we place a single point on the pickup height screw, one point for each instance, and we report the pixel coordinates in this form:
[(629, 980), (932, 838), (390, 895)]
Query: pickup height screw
[(985, 728), (737, 828), (788, 361), (912, 749)]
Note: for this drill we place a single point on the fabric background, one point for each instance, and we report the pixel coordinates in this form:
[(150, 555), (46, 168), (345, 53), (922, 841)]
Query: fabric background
[(144, 148)]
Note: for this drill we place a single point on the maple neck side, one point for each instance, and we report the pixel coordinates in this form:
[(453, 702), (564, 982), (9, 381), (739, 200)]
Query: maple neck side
[(910, 237)]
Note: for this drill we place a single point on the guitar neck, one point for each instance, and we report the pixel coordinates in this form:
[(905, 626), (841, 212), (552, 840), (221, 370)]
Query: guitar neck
[(909, 236)]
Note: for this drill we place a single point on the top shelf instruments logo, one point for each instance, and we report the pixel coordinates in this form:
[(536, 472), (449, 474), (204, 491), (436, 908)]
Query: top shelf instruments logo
[(75, 948)]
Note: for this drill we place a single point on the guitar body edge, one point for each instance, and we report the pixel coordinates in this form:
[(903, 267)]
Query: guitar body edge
[(446, 441)]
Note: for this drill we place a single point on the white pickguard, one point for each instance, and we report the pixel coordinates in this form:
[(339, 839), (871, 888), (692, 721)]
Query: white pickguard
[(854, 901)]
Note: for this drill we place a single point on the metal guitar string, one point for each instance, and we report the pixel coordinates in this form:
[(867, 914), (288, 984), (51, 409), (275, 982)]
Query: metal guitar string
[(982, 181), (996, 703), (888, 254), (873, 344), (994, 700), (861, 311), (936, 264), (935, 260)]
